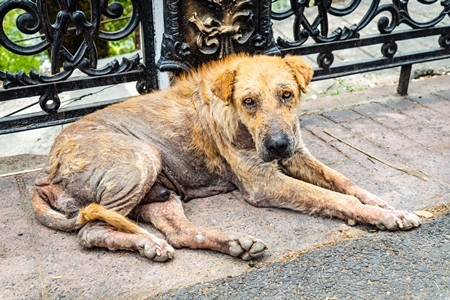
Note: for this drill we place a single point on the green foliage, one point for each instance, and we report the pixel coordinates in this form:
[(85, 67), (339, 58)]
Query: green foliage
[(13, 62), (281, 5), (342, 85), (348, 87), (127, 44)]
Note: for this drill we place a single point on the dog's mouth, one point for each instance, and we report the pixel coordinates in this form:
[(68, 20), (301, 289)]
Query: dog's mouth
[(277, 147)]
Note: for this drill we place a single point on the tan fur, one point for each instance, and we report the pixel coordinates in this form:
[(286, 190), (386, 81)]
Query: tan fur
[(230, 124), (95, 211), (72, 160)]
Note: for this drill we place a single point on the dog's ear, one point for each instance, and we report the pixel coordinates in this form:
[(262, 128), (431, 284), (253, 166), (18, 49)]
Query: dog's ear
[(223, 85), (303, 71)]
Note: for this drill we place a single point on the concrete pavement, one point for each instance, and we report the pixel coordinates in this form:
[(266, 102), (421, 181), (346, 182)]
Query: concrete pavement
[(411, 132)]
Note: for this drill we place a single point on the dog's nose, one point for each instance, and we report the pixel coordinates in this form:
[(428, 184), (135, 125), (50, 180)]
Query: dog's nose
[(278, 144)]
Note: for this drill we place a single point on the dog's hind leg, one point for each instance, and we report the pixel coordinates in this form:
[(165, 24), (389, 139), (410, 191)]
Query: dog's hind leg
[(113, 170), (100, 234), (169, 217), (124, 178)]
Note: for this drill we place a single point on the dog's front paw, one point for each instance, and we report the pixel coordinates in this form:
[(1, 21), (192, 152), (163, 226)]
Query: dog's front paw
[(246, 247), (155, 249), (397, 220)]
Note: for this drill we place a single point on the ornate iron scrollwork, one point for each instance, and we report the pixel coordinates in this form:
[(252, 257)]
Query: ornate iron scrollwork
[(50, 102), (199, 31), (318, 28), (444, 41), (36, 19), (389, 49), (213, 34), (325, 59)]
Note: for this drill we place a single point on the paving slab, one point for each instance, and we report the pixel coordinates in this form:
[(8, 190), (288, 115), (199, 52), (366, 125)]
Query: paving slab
[(41, 263)]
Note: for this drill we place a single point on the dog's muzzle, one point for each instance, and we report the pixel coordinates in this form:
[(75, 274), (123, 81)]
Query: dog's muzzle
[(277, 146)]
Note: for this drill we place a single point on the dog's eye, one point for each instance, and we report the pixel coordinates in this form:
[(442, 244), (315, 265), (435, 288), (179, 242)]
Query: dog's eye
[(249, 102), (287, 95)]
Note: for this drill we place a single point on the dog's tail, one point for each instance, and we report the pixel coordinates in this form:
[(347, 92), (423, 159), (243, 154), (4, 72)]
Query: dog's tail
[(56, 220), (50, 217), (95, 211)]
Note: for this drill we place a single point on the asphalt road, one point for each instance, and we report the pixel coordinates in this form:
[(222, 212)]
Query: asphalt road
[(380, 265)]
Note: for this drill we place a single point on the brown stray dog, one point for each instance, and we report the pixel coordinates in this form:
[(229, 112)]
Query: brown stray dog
[(231, 124)]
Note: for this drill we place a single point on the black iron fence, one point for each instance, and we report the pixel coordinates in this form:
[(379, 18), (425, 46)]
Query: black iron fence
[(198, 31)]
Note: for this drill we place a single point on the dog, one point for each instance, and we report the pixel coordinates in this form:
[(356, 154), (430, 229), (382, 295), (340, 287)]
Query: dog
[(229, 125)]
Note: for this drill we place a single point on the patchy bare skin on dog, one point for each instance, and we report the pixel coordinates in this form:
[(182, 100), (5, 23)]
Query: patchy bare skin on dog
[(231, 124)]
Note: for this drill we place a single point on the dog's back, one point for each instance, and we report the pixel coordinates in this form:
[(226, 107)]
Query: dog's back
[(100, 152)]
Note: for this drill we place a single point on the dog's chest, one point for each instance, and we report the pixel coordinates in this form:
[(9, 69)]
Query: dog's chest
[(188, 177)]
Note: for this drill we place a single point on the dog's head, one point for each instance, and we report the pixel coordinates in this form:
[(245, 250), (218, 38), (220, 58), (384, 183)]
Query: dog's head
[(264, 91)]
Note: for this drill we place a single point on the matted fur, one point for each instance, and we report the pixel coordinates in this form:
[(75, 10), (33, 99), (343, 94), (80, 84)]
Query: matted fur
[(230, 124)]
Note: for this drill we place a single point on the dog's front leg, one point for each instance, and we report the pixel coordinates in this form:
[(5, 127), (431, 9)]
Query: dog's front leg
[(302, 165), (280, 190)]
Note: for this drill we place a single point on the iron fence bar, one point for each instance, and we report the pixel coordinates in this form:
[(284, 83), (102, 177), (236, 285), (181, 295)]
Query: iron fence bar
[(149, 80), (41, 119), (379, 64), (70, 85), (403, 83), (366, 41)]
